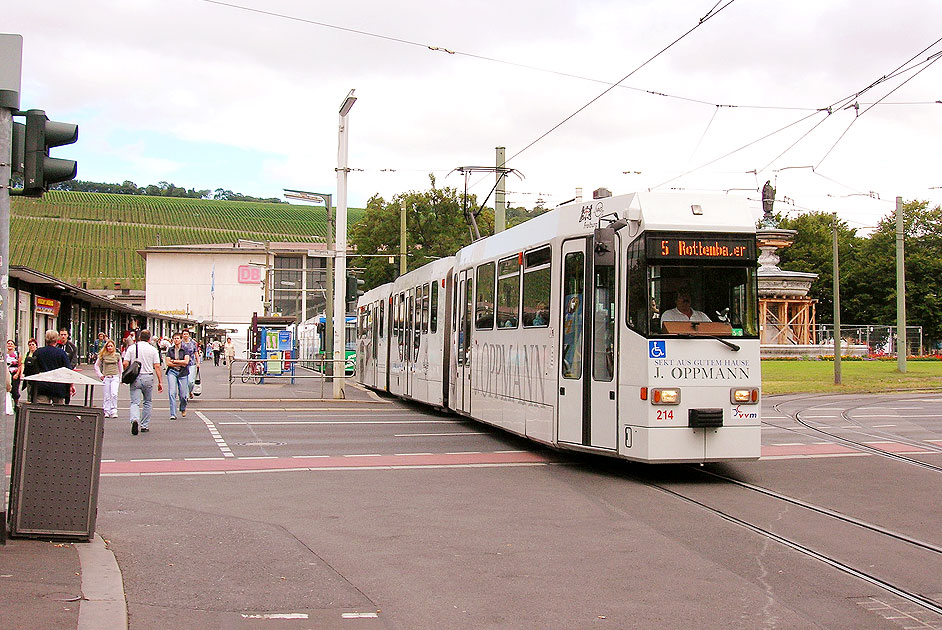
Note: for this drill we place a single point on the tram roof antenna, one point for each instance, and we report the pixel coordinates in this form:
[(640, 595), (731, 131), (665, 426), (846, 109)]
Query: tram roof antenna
[(471, 217), (563, 203)]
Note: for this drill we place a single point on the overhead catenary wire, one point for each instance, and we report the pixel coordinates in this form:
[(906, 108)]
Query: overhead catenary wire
[(934, 59), (715, 9), (713, 13), (459, 53), (828, 110)]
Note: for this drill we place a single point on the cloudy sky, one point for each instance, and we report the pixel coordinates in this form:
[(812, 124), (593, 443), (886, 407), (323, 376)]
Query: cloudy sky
[(244, 95)]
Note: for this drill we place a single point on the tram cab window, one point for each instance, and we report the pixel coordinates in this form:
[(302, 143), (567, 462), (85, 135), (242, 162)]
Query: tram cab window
[(682, 299), (537, 282), (508, 292), (484, 298)]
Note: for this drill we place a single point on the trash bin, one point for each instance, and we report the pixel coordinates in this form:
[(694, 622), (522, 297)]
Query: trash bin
[(56, 465)]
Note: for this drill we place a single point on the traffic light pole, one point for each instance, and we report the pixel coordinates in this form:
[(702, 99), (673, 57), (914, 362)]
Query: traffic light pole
[(6, 147), (11, 61)]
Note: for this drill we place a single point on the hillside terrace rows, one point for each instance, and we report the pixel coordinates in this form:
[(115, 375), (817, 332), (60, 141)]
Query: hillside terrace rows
[(94, 237)]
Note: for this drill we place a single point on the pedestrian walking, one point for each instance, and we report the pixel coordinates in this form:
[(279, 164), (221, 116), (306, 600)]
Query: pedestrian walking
[(69, 346), (217, 349), (96, 347), (15, 367), (30, 367), (51, 357), (229, 351), (178, 369), (192, 349), (108, 368), (142, 389)]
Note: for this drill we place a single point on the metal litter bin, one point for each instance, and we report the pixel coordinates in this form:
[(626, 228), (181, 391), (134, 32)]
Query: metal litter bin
[(56, 465)]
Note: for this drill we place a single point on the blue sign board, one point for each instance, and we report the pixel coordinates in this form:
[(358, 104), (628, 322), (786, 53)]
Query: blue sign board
[(284, 340), (657, 349)]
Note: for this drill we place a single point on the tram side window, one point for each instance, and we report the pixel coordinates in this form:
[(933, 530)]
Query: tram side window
[(537, 282), (484, 298), (419, 291), (637, 310), (426, 295), (573, 316), (381, 309), (401, 315), (433, 317), (508, 292)]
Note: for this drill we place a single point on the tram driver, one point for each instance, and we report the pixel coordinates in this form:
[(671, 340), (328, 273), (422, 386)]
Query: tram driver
[(683, 312)]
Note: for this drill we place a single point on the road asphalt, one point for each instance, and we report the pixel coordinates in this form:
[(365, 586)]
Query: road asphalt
[(195, 551), (63, 585)]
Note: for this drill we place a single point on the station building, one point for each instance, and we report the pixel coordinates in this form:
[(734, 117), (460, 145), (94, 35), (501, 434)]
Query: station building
[(228, 283)]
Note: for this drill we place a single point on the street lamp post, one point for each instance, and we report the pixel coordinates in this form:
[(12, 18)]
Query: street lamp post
[(340, 268)]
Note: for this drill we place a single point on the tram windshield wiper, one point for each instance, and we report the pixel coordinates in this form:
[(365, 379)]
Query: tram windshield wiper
[(728, 344)]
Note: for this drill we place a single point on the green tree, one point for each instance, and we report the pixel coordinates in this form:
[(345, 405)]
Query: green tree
[(922, 233), (435, 228), (812, 252)]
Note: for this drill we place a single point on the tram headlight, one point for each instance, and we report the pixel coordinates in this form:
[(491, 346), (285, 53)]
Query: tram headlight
[(665, 396), (744, 395)]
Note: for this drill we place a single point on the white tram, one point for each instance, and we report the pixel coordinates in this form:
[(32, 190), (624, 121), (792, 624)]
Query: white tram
[(567, 329)]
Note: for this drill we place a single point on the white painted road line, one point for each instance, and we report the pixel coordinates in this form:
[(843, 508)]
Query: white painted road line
[(214, 432), (438, 434)]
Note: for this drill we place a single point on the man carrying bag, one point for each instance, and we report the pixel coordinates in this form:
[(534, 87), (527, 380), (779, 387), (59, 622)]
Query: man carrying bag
[(142, 387)]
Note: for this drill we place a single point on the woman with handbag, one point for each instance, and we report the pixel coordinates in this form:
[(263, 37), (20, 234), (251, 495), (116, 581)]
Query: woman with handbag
[(108, 369), (16, 371)]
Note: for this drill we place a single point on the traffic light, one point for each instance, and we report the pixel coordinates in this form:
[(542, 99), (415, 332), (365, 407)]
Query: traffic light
[(19, 148), (40, 170), (353, 287)]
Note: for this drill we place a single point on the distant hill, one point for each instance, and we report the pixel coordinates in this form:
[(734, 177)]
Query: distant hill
[(94, 237)]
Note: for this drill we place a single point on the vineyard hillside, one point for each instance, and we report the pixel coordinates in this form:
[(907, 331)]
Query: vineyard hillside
[(94, 237)]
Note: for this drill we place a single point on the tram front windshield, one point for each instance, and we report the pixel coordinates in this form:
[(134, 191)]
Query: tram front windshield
[(684, 300)]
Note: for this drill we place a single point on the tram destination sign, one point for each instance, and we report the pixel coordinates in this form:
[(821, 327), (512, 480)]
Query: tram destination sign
[(727, 248)]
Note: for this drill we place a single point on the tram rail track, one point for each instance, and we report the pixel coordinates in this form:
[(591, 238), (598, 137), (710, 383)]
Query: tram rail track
[(890, 585), (862, 446)]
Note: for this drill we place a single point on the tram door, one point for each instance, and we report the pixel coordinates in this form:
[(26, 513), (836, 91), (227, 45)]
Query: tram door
[(373, 322), (407, 364), (463, 306), (587, 385)]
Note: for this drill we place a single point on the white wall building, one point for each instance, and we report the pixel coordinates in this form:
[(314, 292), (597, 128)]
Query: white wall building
[(226, 283)]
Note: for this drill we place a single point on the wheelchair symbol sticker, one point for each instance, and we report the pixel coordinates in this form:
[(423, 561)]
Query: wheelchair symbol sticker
[(657, 349)]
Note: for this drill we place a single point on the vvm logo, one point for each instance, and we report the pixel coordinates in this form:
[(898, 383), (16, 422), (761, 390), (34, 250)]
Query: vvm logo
[(740, 413)]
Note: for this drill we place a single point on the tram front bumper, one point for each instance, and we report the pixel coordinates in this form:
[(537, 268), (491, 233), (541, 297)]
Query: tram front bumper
[(693, 445)]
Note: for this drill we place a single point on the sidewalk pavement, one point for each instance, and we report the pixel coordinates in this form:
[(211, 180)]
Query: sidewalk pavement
[(57, 585)]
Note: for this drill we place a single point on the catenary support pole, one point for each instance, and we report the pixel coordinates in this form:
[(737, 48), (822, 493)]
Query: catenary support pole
[(403, 262), (500, 198), (901, 346), (328, 349), (837, 306)]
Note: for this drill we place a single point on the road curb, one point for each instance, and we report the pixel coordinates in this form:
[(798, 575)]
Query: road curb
[(103, 605)]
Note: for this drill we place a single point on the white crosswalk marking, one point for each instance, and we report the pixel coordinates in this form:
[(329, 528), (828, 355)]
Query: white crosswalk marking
[(221, 443)]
